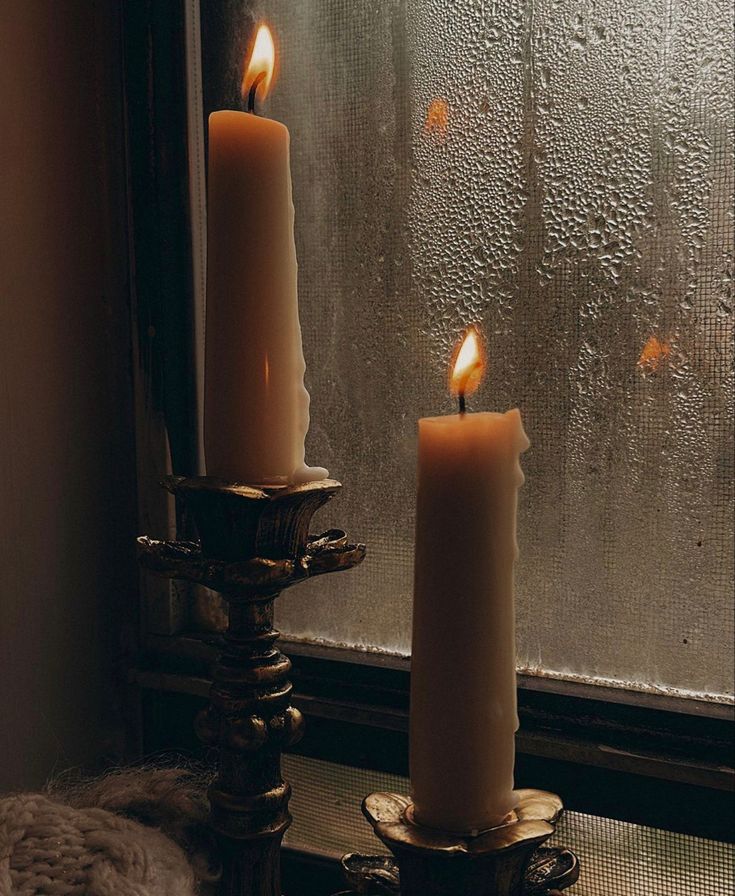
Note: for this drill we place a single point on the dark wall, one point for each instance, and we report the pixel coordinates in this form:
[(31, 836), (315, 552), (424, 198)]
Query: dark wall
[(67, 486)]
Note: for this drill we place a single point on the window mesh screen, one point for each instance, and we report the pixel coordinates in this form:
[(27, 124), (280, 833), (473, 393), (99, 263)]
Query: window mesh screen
[(617, 859), (560, 171)]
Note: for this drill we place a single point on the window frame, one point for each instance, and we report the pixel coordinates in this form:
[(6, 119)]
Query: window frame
[(660, 761)]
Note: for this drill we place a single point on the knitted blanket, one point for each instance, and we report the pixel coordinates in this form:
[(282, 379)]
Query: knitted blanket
[(133, 833)]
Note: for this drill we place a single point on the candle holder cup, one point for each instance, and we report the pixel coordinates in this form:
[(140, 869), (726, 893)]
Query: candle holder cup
[(254, 543), (507, 860)]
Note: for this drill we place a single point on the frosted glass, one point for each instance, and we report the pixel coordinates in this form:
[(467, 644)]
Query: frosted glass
[(560, 171)]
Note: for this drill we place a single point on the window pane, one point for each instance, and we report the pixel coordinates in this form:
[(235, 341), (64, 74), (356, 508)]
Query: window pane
[(562, 173)]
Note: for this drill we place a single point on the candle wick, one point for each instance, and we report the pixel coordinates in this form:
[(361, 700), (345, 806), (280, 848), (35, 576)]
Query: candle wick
[(462, 404), (253, 90)]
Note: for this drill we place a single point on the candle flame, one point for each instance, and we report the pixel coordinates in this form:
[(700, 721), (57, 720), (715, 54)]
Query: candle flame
[(261, 63), (468, 364), (654, 353)]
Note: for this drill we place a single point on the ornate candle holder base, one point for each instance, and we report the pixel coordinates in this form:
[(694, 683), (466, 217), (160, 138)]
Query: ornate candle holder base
[(254, 543), (507, 860)]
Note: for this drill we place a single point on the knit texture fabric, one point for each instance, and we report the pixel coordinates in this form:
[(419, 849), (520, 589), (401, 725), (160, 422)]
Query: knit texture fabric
[(133, 833)]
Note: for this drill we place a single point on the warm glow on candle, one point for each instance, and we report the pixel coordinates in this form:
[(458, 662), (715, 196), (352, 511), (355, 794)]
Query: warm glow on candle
[(468, 364), (261, 64)]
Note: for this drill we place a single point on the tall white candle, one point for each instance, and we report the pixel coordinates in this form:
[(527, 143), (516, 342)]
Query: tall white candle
[(256, 409), (463, 685)]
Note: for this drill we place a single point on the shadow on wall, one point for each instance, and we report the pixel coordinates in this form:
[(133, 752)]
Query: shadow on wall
[(67, 571)]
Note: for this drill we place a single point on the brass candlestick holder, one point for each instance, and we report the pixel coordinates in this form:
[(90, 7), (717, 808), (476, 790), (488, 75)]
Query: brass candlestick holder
[(254, 543), (507, 860)]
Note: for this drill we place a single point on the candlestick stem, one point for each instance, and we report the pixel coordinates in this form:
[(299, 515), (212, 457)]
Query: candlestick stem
[(254, 544)]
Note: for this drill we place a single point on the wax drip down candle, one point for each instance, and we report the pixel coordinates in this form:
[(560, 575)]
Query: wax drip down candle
[(463, 682), (256, 408)]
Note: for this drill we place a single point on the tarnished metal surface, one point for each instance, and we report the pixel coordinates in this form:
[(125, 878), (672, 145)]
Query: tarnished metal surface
[(236, 521), (329, 552), (551, 869), (506, 860), (254, 543), (391, 816), (371, 874)]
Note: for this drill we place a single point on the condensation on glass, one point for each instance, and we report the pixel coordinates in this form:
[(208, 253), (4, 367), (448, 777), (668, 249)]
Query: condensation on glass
[(560, 171)]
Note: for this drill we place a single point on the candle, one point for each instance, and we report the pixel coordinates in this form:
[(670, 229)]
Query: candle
[(463, 686), (256, 409)]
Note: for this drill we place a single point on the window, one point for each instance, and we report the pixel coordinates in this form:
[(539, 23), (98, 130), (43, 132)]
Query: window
[(561, 173)]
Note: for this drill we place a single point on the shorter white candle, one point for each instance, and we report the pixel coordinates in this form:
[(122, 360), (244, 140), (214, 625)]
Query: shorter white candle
[(463, 683)]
